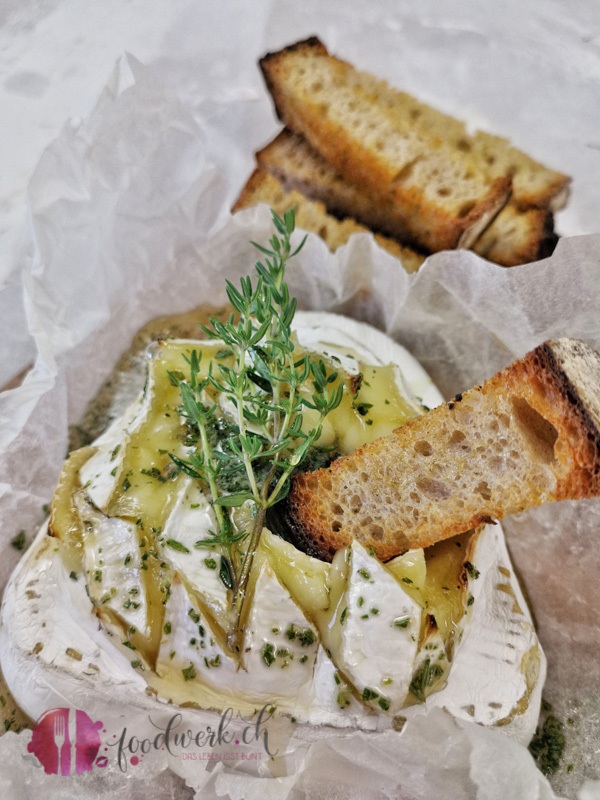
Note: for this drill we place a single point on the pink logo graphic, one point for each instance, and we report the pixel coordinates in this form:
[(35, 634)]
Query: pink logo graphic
[(66, 742)]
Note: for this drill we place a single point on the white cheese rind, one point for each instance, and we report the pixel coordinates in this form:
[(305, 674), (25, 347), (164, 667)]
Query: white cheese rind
[(499, 668), (111, 559), (191, 520), (277, 631), (278, 653), (189, 650), (102, 471), (376, 655)]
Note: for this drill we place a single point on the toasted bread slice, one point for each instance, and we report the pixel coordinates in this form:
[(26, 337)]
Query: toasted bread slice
[(534, 185), (362, 127), (517, 237), (312, 216), (529, 435), (299, 166), (514, 237)]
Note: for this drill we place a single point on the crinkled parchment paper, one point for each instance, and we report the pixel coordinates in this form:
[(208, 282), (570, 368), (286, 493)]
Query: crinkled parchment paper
[(129, 220)]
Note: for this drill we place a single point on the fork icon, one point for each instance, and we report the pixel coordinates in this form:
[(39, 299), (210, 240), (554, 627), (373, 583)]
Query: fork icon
[(59, 741)]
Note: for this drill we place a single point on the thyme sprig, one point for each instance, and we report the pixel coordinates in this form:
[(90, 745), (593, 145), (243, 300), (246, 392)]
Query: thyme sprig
[(261, 382)]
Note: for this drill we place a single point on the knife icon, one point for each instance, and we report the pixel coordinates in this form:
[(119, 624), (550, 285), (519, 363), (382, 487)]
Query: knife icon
[(72, 762)]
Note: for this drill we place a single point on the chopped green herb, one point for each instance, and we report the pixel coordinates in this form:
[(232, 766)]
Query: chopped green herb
[(406, 580), (210, 563), (167, 627), (364, 573), (402, 622), (268, 653), (548, 745), (18, 542), (473, 573), (369, 694), (189, 673), (73, 576), (305, 636)]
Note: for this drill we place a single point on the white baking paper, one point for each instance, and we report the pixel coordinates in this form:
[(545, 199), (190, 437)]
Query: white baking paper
[(129, 219)]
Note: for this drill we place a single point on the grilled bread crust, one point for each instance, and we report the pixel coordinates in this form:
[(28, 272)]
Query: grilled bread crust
[(370, 133), (527, 436)]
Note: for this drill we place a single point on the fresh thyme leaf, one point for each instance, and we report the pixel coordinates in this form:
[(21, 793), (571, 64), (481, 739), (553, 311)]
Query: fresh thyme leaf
[(263, 386), (233, 500), (185, 466)]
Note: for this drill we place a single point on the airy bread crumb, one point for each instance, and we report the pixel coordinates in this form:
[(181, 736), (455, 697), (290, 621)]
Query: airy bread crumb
[(529, 435)]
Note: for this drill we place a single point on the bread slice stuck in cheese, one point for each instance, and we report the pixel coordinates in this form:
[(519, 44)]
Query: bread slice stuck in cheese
[(527, 436)]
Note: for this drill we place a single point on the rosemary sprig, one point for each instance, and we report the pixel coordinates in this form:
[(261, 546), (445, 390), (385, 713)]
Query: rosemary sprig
[(258, 376)]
